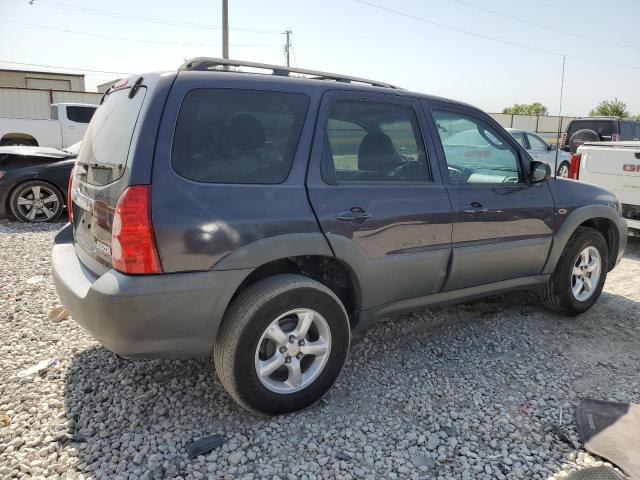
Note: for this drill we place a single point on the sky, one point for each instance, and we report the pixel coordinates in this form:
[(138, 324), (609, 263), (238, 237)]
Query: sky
[(421, 45)]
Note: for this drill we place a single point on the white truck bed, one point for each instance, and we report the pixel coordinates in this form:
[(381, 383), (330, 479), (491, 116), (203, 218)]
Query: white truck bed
[(616, 167)]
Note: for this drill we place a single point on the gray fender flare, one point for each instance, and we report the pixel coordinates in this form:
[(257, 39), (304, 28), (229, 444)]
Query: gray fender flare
[(572, 222)]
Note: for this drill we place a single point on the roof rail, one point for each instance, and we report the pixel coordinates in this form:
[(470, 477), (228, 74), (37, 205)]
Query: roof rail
[(217, 64)]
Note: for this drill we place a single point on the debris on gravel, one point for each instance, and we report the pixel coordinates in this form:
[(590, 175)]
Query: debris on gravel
[(481, 390)]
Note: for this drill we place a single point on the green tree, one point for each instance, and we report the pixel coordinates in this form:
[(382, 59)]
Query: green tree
[(610, 108), (535, 108)]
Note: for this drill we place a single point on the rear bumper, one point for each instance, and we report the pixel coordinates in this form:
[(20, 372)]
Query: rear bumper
[(148, 316)]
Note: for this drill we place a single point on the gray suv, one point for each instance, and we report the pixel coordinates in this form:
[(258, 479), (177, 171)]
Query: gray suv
[(263, 217)]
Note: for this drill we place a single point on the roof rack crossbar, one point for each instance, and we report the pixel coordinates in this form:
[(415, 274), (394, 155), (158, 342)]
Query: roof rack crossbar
[(212, 63)]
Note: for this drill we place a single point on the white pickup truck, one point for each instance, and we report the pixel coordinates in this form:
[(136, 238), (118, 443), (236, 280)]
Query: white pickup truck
[(616, 167), (67, 126)]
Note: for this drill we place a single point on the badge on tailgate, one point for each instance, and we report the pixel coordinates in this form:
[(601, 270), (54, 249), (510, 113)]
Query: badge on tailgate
[(103, 248)]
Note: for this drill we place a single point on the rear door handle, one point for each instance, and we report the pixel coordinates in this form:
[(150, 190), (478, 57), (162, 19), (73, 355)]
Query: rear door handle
[(355, 214), (475, 208)]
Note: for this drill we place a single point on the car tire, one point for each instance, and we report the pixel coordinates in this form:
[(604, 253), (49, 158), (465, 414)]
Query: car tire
[(563, 169), (18, 142), (36, 201), (584, 257), (263, 353), (582, 136)]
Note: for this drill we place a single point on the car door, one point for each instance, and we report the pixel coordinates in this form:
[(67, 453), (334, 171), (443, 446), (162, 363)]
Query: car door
[(502, 226), (377, 197)]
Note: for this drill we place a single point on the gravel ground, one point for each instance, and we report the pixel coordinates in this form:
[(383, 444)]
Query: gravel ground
[(466, 391)]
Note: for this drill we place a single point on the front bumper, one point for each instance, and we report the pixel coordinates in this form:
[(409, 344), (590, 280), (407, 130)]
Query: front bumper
[(148, 316)]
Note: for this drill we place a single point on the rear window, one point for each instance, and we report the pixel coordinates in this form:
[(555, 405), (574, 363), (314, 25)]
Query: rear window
[(237, 136), (604, 128), (105, 146), (80, 114)]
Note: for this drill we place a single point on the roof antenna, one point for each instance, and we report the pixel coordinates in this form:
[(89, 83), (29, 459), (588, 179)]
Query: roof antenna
[(555, 168)]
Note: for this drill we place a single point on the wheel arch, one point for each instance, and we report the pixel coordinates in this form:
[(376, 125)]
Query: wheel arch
[(602, 218), (306, 254)]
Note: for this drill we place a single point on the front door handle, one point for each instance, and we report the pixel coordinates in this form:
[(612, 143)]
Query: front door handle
[(474, 208), (355, 214)]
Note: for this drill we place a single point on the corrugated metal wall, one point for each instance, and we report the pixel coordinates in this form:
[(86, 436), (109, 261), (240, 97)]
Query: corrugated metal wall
[(32, 103)]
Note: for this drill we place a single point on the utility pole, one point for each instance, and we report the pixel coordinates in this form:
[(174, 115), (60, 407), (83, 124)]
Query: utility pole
[(287, 47), (225, 29)]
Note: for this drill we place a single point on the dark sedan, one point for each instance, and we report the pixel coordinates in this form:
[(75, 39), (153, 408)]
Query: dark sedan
[(33, 181)]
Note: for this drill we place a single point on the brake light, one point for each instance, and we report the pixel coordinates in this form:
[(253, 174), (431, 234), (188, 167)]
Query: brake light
[(133, 247), (69, 199), (615, 137), (574, 168), (563, 139)]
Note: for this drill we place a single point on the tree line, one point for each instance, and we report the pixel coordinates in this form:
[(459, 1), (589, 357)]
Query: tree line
[(606, 108)]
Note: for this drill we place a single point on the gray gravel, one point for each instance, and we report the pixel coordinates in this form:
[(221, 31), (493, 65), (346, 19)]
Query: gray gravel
[(467, 391)]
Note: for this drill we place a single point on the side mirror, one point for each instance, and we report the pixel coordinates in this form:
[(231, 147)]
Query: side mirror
[(540, 171), (552, 147)]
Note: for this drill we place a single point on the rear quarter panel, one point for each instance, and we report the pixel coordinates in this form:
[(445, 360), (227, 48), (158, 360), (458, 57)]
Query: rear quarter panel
[(197, 224)]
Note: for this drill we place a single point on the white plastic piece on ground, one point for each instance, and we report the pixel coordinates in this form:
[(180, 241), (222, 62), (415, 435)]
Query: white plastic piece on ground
[(43, 364), (58, 313)]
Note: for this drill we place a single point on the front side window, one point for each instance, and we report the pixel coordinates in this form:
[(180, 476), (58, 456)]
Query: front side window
[(537, 143), (370, 141), (475, 152), (237, 136)]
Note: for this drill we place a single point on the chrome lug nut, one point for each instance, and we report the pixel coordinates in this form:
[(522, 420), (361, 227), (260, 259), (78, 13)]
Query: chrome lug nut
[(301, 343)]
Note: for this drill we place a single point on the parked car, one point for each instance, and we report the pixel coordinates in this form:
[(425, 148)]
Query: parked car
[(34, 180), (598, 129), (542, 151), (262, 218), (67, 126), (616, 167)]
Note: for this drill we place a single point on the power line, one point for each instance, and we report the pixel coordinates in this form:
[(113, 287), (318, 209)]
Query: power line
[(136, 40), (546, 27), (65, 68), (141, 18), (494, 39)]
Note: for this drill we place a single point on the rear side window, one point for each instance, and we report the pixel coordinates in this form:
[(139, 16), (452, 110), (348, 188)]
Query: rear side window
[(626, 131), (80, 114), (369, 141), (237, 136)]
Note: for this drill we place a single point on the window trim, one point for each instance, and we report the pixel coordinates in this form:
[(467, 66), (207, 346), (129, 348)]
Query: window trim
[(295, 148), (432, 106), (326, 161)]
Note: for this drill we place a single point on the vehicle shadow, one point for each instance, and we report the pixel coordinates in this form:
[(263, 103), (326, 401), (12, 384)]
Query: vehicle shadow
[(499, 363)]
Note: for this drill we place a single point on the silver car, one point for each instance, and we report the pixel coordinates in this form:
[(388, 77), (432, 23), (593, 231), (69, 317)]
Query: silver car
[(540, 150)]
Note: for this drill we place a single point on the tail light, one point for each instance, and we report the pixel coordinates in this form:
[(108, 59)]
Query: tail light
[(615, 137), (69, 190), (574, 168), (133, 247), (563, 139)]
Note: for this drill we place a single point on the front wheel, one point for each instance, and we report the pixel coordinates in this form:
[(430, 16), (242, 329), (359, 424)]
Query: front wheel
[(580, 274), (282, 344)]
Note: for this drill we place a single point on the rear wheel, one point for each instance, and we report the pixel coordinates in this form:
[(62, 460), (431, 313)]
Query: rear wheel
[(36, 201), (282, 344), (580, 274)]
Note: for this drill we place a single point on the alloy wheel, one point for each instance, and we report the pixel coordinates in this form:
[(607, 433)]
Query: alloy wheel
[(586, 273)]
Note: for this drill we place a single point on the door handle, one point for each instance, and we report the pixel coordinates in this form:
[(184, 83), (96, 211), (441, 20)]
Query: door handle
[(474, 208), (355, 214)]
